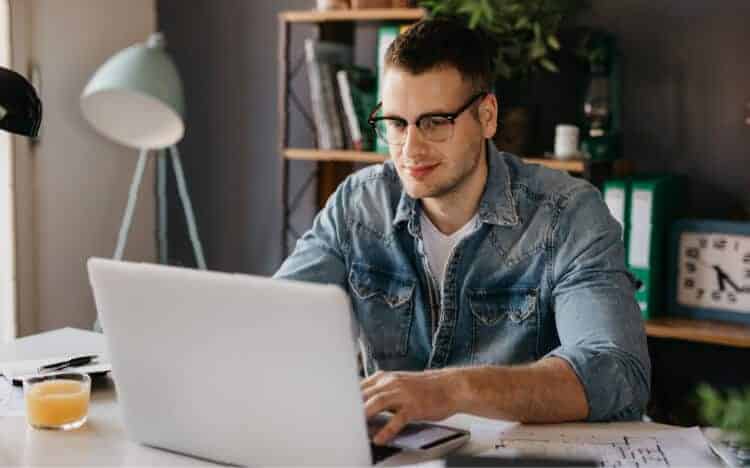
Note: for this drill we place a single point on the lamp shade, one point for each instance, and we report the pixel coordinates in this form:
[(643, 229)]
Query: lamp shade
[(20, 107), (135, 98)]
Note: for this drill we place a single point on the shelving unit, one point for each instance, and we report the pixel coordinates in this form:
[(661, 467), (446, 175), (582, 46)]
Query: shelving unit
[(702, 331)]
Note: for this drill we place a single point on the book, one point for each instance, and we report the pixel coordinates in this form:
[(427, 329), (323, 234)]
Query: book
[(322, 58), (357, 87), (331, 107), (354, 133)]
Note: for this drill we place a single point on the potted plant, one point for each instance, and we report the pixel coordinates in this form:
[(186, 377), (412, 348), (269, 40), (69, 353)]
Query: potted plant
[(526, 36), (730, 412)]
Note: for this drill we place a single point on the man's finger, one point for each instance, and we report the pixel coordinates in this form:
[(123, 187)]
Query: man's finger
[(384, 401), (368, 393), (393, 427), (371, 380)]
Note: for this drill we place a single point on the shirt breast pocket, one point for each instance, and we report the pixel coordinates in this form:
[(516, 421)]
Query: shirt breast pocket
[(505, 325), (384, 305)]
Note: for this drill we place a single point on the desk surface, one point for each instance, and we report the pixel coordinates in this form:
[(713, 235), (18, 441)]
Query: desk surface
[(102, 440)]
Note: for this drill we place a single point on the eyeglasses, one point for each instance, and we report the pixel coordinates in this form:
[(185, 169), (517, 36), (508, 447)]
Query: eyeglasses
[(435, 127)]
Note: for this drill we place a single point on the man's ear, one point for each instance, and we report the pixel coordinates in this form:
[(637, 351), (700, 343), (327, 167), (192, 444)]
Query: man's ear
[(488, 115)]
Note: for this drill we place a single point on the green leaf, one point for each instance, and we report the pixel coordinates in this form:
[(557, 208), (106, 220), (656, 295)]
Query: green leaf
[(469, 8), (537, 31), (711, 405), (475, 18), (548, 65), (522, 23), (488, 11), (553, 42), (537, 51)]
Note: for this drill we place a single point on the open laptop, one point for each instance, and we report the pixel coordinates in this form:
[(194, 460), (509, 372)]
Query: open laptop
[(242, 369)]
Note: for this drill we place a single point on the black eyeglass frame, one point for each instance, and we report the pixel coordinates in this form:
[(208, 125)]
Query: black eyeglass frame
[(450, 116)]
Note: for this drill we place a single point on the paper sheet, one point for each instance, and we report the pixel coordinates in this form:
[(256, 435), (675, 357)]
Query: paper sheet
[(11, 399), (614, 447)]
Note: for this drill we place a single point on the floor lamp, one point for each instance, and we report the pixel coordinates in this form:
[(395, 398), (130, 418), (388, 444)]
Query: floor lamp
[(135, 98)]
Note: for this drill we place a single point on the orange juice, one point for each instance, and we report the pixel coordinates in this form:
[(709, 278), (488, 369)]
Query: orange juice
[(57, 403)]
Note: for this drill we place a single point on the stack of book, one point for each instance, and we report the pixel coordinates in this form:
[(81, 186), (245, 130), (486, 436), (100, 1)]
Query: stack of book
[(342, 96)]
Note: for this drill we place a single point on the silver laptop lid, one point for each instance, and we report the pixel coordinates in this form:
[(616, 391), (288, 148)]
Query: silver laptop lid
[(233, 368)]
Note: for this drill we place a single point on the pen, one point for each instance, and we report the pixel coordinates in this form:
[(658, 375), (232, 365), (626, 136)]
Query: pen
[(74, 362)]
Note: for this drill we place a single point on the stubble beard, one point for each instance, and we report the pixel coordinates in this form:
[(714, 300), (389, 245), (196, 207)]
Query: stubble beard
[(449, 187)]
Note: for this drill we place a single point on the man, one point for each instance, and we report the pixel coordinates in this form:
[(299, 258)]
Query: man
[(481, 284)]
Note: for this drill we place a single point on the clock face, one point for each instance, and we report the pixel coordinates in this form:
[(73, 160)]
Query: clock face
[(714, 271)]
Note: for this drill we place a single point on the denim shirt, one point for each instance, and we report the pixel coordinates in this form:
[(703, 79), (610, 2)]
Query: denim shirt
[(543, 275)]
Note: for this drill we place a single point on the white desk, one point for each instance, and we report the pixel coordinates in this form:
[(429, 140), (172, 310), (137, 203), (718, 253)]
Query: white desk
[(102, 440)]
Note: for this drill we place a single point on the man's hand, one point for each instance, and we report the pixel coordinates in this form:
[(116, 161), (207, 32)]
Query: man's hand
[(546, 391), (429, 395)]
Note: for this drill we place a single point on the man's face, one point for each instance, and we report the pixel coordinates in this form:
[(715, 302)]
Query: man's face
[(430, 169)]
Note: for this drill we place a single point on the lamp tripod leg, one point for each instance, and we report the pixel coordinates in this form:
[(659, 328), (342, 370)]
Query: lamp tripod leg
[(127, 219), (188, 207), (161, 193)]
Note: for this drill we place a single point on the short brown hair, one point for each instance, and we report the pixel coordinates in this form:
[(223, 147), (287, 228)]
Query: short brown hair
[(433, 43)]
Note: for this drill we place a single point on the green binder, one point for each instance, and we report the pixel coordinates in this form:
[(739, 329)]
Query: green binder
[(653, 207), (616, 193)]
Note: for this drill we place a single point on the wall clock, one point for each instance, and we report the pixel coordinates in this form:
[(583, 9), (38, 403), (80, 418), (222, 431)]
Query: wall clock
[(710, 270)]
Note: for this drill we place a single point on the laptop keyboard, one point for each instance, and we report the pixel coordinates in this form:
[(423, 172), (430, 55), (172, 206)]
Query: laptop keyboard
[(381, 452)]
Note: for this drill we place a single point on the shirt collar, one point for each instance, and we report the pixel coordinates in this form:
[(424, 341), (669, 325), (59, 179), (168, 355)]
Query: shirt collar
[(496, 206)]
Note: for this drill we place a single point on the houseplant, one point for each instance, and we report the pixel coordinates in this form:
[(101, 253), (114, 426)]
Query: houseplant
[(525, 34), (729, 412)]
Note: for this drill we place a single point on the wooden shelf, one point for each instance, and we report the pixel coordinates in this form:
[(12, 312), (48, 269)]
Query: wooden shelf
[(364, 14), (703, 331), (574, 165), (369, 157), (333, 155)]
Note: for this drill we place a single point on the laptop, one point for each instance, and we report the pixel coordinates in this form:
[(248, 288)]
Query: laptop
[(243, 369)]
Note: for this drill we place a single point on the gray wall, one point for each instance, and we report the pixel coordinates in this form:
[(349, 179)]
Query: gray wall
[(226, 53), (687, 76), (71, 189)]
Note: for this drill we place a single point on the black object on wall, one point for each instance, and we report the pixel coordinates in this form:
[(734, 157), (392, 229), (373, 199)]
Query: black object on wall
[(20, 107)]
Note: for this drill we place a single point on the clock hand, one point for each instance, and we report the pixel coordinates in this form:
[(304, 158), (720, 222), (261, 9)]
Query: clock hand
[(722, 277)]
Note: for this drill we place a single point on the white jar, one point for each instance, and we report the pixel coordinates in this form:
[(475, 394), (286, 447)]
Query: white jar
[(326, 5), (566, 141)]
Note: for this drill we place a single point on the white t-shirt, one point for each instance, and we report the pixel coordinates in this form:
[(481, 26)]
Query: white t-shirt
[(438, 247)]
